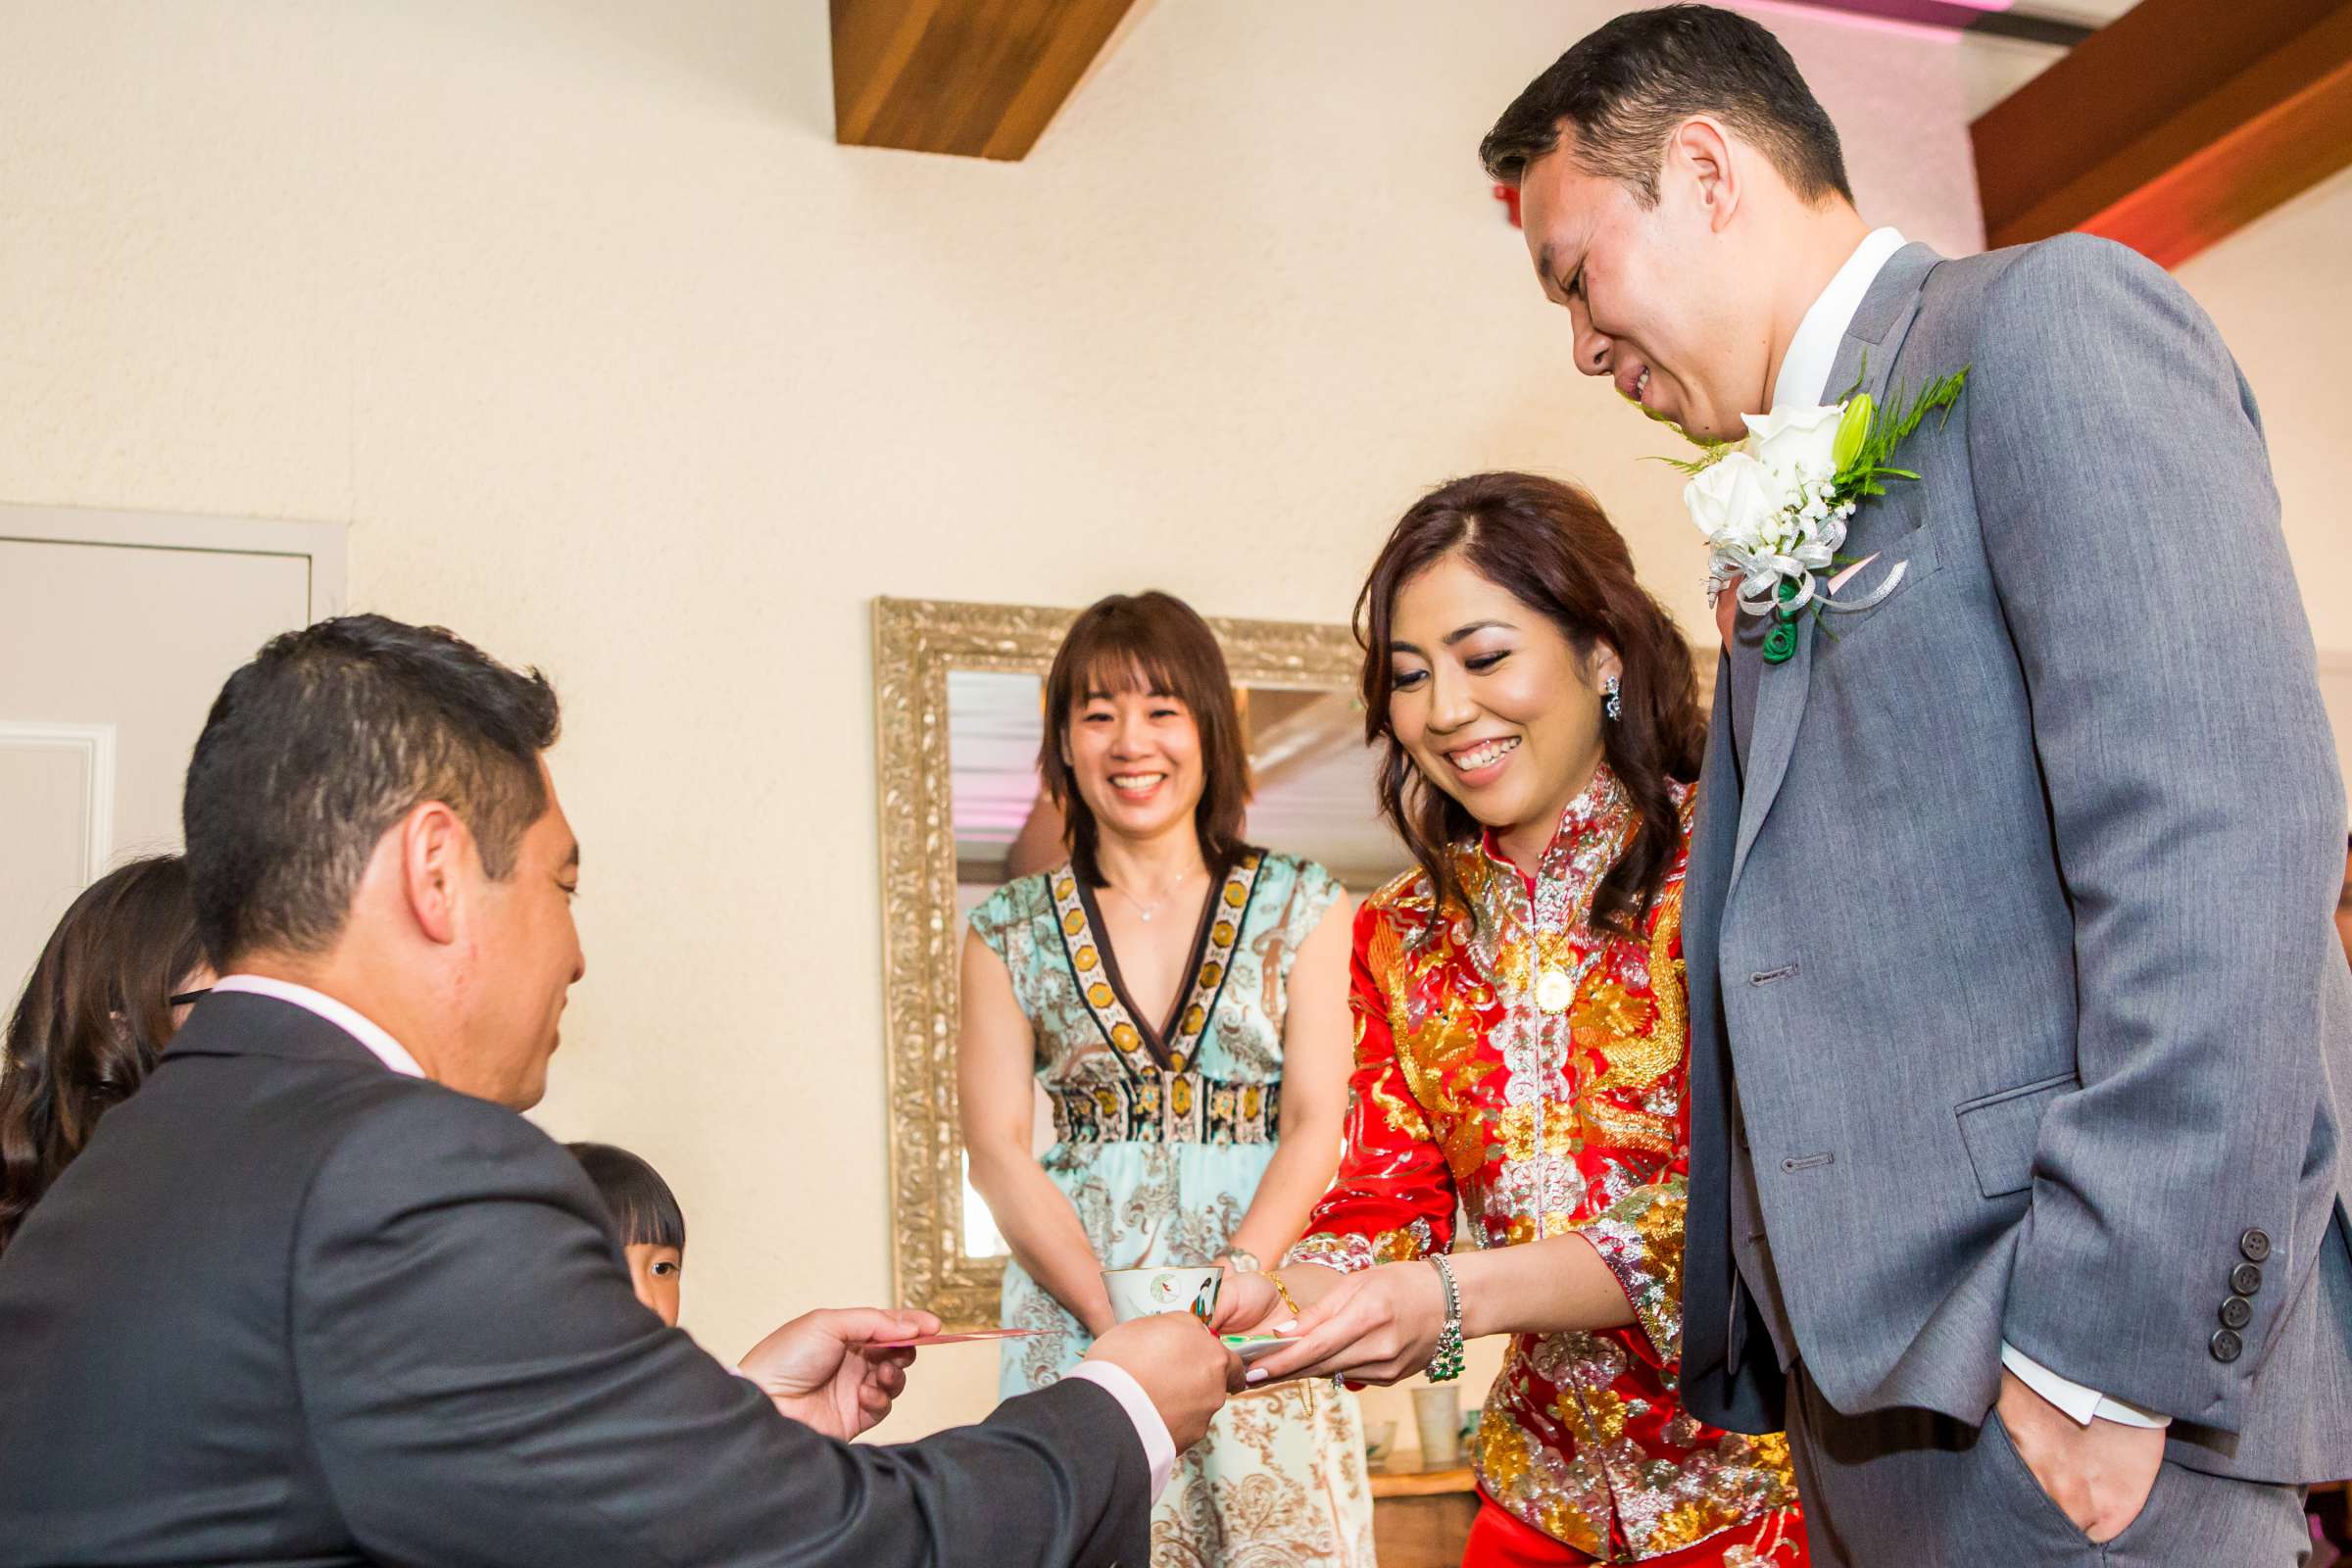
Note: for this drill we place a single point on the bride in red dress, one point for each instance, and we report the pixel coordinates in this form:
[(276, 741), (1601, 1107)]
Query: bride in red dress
[(1522, 1045)]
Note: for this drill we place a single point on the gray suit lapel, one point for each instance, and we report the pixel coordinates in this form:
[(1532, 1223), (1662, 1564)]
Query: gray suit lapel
[(1864, 359), (1712, 836)]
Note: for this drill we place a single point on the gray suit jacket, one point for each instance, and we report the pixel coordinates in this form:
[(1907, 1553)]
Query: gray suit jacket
[(291, 1307), (2015, 1005)]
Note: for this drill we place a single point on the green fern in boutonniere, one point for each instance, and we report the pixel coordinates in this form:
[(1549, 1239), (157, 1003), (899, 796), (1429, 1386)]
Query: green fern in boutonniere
[(1774, 507)]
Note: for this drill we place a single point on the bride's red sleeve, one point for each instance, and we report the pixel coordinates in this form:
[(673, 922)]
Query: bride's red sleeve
[(1393, 1197)]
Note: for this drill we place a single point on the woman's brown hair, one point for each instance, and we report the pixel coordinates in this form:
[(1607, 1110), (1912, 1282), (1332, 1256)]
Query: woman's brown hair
[(1155, 641), (1549, 546), (92, 1020)]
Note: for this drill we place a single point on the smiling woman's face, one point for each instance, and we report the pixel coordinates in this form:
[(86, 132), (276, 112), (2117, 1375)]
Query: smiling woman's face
[(1490, 701), (1136, 757)]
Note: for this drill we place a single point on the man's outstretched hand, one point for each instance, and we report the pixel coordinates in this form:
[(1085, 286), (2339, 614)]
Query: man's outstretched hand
[(821, 1368), (1184, 1370)]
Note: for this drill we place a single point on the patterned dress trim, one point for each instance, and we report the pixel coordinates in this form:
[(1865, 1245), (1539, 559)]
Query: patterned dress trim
[(1194, 1108), (1144, 1054)]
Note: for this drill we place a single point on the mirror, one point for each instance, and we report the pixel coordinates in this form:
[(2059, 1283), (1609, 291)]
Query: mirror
[(959, 690)]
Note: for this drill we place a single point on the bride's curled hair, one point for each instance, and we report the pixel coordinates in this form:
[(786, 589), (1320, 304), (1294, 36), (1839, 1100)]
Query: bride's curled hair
[(1549, 546)]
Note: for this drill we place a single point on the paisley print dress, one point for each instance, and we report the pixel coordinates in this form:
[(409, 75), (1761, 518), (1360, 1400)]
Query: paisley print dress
[(1162, 1131)]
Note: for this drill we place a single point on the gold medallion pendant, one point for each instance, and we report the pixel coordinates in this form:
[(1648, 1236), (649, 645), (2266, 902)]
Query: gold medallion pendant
[(1554, 991)]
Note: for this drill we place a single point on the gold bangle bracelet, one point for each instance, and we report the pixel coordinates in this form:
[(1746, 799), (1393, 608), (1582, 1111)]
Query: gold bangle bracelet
[(1284, 1291)]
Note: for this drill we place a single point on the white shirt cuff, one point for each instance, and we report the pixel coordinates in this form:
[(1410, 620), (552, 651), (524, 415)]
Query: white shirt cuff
[(2079, 1403), (1160, 1449)]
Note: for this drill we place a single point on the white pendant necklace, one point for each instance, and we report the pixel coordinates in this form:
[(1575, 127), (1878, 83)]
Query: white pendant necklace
[(1145, 911)]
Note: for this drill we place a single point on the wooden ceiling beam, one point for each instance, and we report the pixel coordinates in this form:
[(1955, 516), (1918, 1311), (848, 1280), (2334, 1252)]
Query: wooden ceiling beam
[(981, 78), (2172, 126)]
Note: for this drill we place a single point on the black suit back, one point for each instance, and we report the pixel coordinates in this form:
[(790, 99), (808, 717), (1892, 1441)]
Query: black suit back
[(291, 1307)]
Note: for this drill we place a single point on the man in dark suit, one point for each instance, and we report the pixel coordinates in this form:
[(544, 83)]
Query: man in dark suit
[(316, 1294)]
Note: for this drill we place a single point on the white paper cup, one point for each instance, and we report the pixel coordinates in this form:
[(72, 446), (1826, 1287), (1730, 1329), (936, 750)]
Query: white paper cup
[(1438, 1416), (1147, 1291)]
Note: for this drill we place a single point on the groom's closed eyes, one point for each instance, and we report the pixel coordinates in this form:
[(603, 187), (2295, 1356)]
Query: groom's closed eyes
[(1560, 283)]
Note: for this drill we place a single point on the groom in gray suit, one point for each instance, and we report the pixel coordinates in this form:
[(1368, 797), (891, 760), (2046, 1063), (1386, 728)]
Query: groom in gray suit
[(2021, 1050)]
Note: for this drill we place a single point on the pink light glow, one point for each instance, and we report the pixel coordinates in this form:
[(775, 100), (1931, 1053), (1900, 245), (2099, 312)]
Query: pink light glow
[(1866, 24)]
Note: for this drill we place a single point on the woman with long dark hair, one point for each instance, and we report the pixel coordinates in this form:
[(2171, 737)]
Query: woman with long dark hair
[(1522, 1045), (96, 1013), (1180, 995)]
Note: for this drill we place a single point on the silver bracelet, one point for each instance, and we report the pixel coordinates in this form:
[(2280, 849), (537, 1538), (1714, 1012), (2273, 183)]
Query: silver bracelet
[(1445, 1361)]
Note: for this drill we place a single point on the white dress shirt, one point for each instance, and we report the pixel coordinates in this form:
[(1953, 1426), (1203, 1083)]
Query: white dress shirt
[(366, 1031), (1804, 378), (1159, 1447), (1804, 381)]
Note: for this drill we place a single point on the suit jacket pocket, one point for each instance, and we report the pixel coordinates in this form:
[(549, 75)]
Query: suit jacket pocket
[(2000, 1131), (1911, 551)]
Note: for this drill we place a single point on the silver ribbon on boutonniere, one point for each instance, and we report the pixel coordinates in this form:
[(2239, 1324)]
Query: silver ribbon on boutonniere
[(1869, 601), (1774, 507)]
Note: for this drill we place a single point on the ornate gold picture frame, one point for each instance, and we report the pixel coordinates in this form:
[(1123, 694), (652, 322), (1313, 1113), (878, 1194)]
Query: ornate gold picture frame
[(916, 643)]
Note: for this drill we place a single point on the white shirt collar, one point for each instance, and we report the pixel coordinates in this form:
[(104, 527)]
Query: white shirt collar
[(364, 1030), (1804, 378)]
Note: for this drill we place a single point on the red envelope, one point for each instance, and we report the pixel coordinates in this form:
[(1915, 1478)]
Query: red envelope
[(954, 1339)]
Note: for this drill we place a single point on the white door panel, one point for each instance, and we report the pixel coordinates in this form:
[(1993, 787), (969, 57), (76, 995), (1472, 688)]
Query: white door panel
[(115, 633), (55, 826)]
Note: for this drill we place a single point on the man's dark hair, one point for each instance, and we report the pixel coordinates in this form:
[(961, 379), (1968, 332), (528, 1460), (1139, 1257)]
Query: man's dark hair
[(1624, 88), (645, 1211), (328, 737)]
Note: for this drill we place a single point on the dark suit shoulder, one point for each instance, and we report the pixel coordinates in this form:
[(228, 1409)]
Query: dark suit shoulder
[(407, 1144)]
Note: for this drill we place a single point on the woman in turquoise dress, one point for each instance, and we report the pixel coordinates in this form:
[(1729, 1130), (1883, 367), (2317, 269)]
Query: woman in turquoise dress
[(1181, 998)]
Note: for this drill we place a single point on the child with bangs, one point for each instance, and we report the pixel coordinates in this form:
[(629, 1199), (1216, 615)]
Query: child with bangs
[(646, 1214)]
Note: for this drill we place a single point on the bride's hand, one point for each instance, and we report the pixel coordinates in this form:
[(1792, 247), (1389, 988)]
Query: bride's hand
[(1377, 1326), (1247, 1304)]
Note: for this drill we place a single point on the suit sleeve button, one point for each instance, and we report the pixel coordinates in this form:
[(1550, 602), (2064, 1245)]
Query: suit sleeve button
[(2256, 1244), (2225, 1345), (2245, 1279), (2236, 1312)]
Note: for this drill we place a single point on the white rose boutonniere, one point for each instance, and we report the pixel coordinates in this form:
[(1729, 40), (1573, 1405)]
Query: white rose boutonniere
[(1774, 508), (1801, 445)]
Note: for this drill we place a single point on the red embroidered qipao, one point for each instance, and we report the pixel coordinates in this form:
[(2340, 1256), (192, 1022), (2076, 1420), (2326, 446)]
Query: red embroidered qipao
[(1535, 1071)]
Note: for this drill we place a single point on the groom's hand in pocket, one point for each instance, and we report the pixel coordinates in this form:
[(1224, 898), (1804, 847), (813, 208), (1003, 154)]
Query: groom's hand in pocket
[(2098, 1475)]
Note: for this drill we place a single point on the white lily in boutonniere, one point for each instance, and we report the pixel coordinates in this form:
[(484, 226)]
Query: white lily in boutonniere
[(1774, 507)]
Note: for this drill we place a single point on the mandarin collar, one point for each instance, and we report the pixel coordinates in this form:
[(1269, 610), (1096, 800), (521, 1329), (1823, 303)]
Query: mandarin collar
[(1596, 814)]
